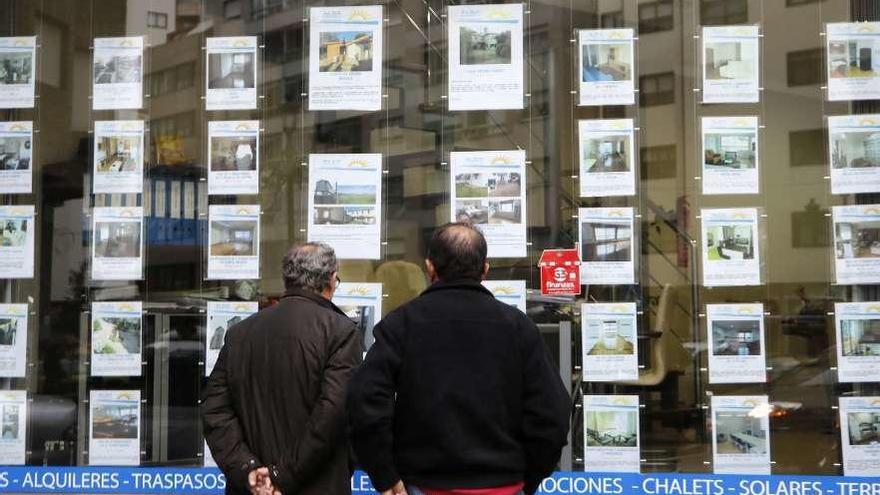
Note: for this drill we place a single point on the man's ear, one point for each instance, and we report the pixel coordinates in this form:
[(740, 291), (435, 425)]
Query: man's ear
[(485, 270), (429, 267)]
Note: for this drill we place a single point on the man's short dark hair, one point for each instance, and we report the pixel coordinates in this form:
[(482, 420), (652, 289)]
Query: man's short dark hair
[(458, 252)]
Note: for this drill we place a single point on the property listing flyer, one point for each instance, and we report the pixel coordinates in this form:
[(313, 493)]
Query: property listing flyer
[(730, 64), (611, 434), (736, 343), (17, 241), (853, 58), (857, 327), (362, 302), (221, 316), (852, 141), (118, 243), (605, 237), (510, 292), (730, 155), (860, 435), (118, 73), (606, 66), (486, 57), (119, 157), (731, 255), (610, 347), (607, 152), (345, 203), (234, 157), (741, 434), (18, 62), (856, 254), (488, 191), (13, 340), (231, 74), (13, 427), (114, 427), (116, 338), (17, 143), (234, 242), (345, 58)]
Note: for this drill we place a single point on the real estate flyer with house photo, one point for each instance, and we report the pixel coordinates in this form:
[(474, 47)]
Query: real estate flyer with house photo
[(345, 203), (117, 338), (860, 435), (119, 157), (221, 316), (489, 191), (741, 434), (114, 427), (118, 73), (736, 343), (611, 434), (731, 254), (234, 157), (13, 340), (607, 151), (17, 241), (856, 244), (118, 243), (345, 58), (16, 157), (854, 149), (853, 60), (730, 155), (13, 427), (730, 64), (606, 66), (486, 57), (609, 342), (605, 237), (233, 242), (17, 71), (510, 292), (231, 74), (362, 302), (857, 326)]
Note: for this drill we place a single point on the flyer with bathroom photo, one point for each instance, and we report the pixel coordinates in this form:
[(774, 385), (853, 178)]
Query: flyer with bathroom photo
[(605, 237), (117, 336), (860, 435), (607, 158), (17, 241), (231, 73), (362, 302), (234, 157), (18, 58), (13, 340), (611, 434), (234, 242), (741, 434), (114, 427), (118, 73), (119, 157), (221, 316), (730, 155), (856, 244), (731, 254), (857, 327), (16, 164), (606, 63), (118, 243), (736, 343), (853, 60), (730, 64), (511, 292), (853, 141), (13, 427), (609, 342)]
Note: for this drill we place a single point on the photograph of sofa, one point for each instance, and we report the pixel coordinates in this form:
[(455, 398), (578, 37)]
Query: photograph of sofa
[(725, 151), (606, 62), (852, 58)]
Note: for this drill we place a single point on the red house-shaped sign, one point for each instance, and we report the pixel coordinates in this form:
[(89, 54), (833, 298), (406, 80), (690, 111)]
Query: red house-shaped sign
[(560, 272)]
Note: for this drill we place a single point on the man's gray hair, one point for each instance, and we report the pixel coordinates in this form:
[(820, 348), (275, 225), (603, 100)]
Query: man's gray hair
[(309, 266)]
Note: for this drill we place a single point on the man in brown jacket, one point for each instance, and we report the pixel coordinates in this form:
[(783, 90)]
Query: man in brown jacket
[(274, 407)]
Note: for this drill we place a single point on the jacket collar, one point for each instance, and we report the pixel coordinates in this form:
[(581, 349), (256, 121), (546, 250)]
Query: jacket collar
[(457, 285), (312, 297)]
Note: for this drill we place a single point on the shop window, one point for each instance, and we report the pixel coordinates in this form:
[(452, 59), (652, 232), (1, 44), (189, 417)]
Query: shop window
[(657, 162), (611, 19), (232, 9), (806, 147), (656, 16), (657, 89), (157, 20), (795, 3), (723, 12), (185, 76), (804, 67)]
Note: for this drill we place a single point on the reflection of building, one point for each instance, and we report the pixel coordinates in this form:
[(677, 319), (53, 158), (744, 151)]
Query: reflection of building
[(325, 192)]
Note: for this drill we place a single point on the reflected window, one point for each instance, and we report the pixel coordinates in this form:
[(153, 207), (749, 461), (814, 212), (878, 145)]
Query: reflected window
[(723, 12), (232, 9), (657, 89), (611, 19), (157, 20), (657, 162), (795, 3), (656, 16), (804, 67)]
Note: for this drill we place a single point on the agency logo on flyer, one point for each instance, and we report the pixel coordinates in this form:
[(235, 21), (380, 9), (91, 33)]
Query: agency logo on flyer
[(560, 272)]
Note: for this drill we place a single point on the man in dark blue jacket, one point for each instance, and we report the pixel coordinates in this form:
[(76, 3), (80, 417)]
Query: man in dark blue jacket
[(458, 395)]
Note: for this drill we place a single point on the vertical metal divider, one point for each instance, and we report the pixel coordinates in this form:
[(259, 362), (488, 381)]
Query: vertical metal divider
[(304, 101), (200, 78)]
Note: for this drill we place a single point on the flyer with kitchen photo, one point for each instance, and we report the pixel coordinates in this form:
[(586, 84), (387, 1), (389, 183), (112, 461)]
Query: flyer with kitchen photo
[(736, 343)]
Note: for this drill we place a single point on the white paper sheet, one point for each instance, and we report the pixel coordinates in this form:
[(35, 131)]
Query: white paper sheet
[(231, 73), (512, 292), (119, 157), (853, 60), (345, 58), (606, 66), (18, 82), (730, 155), (114, 427), (17, 241), (118, 243), (605, 238), (234, 242), (345, 203), (609, 342), (13, 340), (731, 252), (13, 427), (118, 73), (208, 457), (736, 343), (730, 64), (489, 191), (856, 257), (741, 434), (860, 435), (485, 57), (234, 157), (117, 338), (362, 302), (16, 161), (857, 326), (607, 158), (854, 165), (611, 434), (221, 316)]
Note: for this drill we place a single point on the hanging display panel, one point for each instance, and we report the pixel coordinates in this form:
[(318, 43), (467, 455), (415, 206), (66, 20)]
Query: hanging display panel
[(118, 73), (606, 66)]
